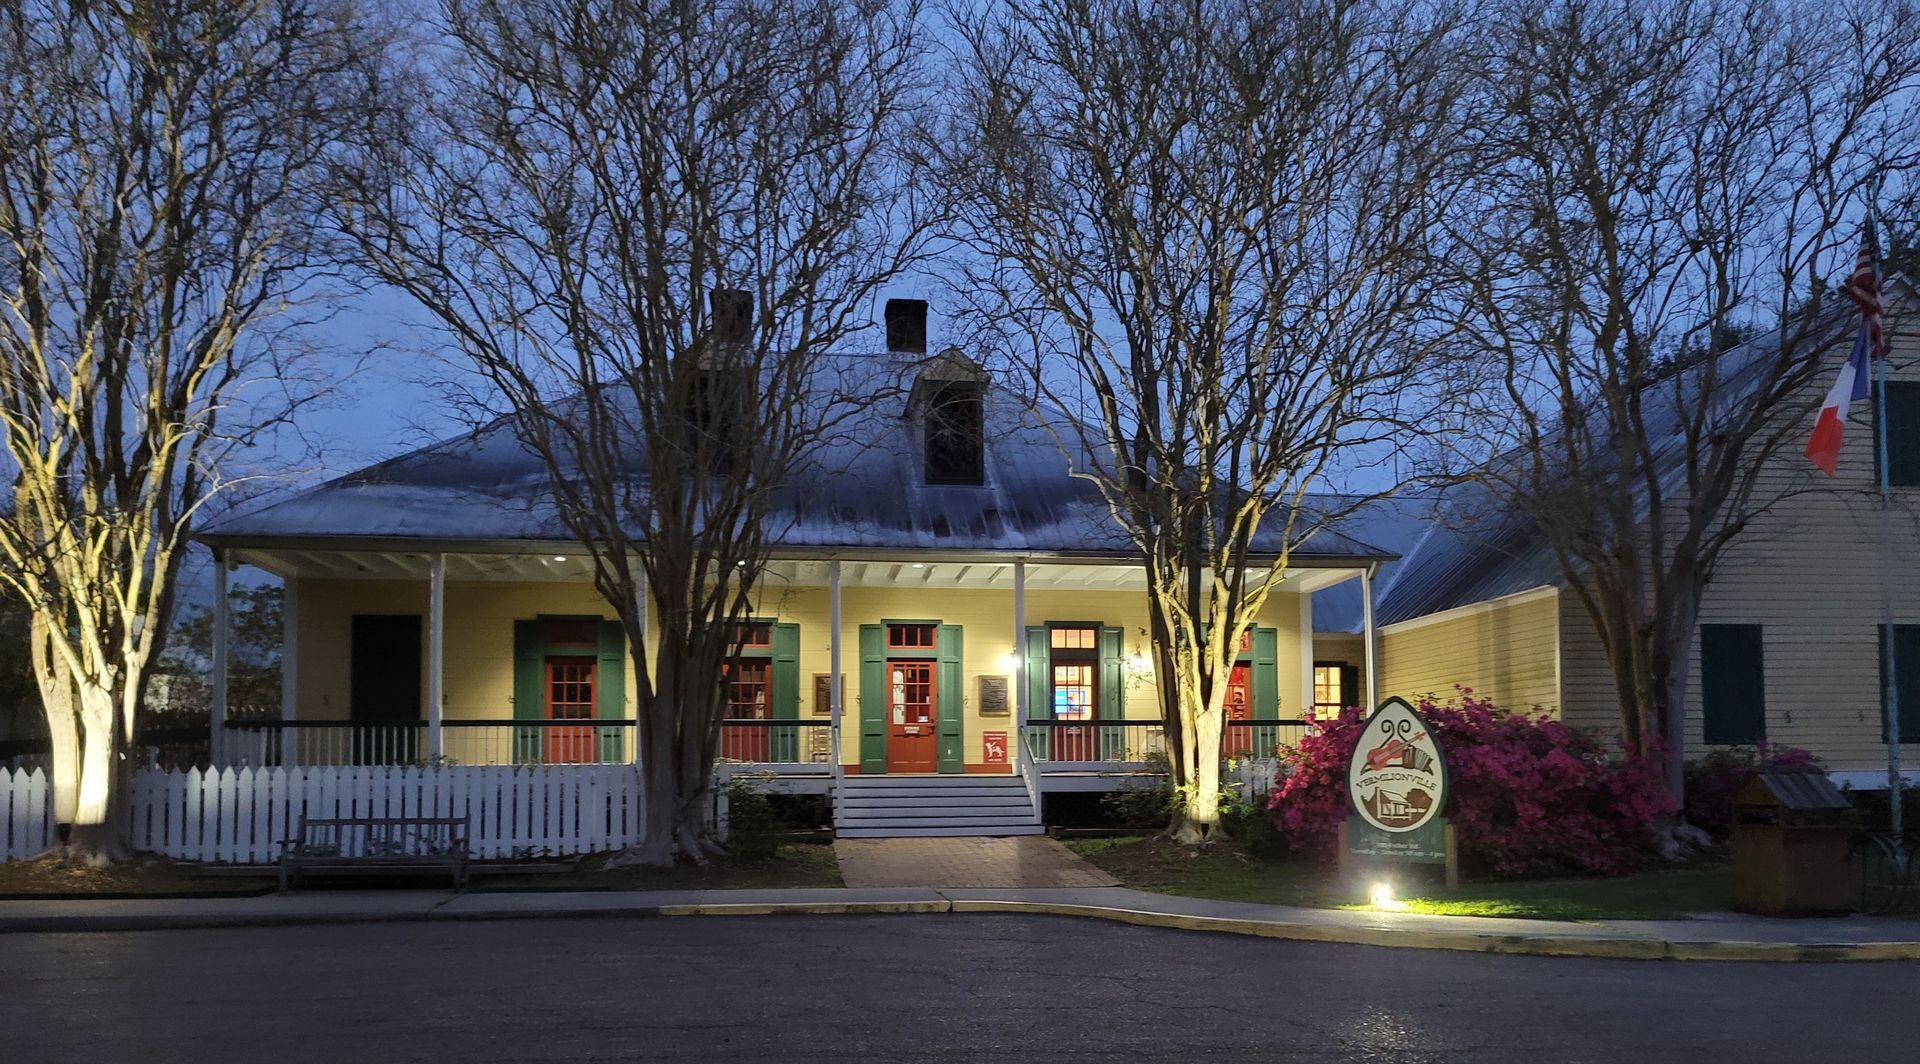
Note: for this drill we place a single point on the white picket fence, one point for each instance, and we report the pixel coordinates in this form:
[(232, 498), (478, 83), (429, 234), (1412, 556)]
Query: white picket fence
[(242, 815), (26, 813)]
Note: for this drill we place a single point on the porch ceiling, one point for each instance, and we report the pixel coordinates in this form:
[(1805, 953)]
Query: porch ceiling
[(550, 565)]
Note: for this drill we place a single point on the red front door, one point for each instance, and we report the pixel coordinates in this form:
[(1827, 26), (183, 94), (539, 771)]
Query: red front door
[(911, 742), (571, 686), (1239, 737), (747, 699)]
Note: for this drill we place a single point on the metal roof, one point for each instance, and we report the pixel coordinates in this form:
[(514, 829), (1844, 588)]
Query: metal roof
[(1466, 545), (864, 489)]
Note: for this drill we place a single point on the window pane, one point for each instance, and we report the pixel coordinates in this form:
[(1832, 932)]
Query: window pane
[(747, 690), (1073, 692), (1326, 687), (1075, 638), (910, 636)]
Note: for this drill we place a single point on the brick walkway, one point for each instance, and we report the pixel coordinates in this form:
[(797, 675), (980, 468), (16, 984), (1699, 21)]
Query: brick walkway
[(1020, 861)]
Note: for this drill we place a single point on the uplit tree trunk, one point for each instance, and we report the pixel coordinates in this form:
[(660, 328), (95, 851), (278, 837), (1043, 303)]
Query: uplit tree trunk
[(1669, 192), (156, 165), (647, 227), (1208, 231), (63, 725)]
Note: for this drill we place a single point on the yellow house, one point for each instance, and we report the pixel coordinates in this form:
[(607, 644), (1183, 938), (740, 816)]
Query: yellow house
[(983, 615)]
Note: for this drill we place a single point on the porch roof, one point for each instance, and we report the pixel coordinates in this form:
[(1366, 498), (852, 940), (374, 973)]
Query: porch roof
[(933, 571)]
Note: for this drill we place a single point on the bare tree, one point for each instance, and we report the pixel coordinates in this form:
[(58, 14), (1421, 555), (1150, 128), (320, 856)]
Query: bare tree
[(1206, 230), (156, 161), (1672, 187), (648, 226)]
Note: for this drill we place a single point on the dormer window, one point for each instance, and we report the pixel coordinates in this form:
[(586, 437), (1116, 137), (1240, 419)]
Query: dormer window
[(956, 430), (716, 416)]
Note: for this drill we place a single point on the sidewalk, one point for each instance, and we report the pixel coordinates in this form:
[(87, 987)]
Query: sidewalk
[(1728, 937)]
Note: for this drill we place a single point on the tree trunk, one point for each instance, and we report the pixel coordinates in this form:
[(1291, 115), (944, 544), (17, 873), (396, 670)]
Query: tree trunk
[(1196, 816), (63, 729), (95, 839), (658, 795)]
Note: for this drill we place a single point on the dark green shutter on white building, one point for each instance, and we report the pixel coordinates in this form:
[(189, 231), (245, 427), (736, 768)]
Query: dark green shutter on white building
[(1733, 684), (1906, 649)]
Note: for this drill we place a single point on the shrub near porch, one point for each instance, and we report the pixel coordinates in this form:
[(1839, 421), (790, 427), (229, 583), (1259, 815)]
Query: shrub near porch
[(1530, 796)]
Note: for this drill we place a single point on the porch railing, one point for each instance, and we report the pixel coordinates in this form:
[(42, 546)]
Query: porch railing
[(463, 742), (777, 742), (1141, 740)]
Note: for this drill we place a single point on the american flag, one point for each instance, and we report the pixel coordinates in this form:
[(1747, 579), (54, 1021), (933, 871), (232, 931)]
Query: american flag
[(1863, 287)]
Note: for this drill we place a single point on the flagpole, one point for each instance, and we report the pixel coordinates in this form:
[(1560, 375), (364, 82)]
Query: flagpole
[(1890, 669), (1889, 673)]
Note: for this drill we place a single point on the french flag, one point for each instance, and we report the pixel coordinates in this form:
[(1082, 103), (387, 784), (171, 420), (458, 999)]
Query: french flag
[(1863, 287)]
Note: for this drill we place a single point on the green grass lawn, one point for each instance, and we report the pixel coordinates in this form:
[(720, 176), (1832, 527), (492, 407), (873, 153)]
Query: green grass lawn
[(1228, 874), (793, 865)]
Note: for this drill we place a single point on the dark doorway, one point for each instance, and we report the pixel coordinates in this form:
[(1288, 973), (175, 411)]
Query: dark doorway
[(384, 689)]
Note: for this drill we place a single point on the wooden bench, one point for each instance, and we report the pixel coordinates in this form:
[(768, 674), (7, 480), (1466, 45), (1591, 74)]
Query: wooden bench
[(376, 846)]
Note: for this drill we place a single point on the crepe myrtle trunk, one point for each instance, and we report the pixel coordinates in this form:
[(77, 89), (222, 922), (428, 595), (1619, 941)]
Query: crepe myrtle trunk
[(96, 838)]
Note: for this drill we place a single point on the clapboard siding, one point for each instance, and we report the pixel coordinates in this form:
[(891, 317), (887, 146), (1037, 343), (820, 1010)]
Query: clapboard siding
[(1503, 650), (1810, 572)]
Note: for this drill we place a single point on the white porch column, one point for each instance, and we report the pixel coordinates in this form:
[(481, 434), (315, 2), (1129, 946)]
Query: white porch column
[(1372, 684), (217, 709), (836, 697), (436, 643), (1306, 654), (290, 650), (290, 670), (1020, 707)]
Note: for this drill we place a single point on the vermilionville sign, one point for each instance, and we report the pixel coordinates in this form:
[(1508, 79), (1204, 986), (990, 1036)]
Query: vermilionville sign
[(1397, 782)]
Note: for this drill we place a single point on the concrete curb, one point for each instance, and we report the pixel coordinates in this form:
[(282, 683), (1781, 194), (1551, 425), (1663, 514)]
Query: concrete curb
[(1613, 948), (1619, 947)]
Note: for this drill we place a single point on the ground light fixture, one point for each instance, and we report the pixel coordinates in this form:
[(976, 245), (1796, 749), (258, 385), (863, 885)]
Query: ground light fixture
[(1381, 897)]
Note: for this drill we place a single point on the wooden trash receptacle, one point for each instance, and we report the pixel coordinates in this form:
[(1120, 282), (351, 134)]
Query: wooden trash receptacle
[(1791, 829)]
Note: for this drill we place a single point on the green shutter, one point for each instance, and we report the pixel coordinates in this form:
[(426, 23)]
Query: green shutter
[(785, 691), (1733, 686), (1906, 649), (1113, 693), (1903, 438), (873, 699), (611, 680), (528, 649), (1349, 686), (951, 687), (1266, 674), (1039, 705)]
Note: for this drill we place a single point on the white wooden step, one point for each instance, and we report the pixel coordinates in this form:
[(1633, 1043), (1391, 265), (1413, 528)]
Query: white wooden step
[(938, 831)]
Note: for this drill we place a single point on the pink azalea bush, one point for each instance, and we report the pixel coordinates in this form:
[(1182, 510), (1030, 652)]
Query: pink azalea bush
[(1713, 778), (1528, 794)]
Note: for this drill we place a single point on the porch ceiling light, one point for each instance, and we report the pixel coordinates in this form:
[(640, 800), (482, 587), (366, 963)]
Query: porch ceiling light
[(559, 557), (919, 565)]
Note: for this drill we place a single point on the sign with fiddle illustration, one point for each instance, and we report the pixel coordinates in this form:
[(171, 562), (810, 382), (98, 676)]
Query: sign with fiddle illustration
[(1398, 776)]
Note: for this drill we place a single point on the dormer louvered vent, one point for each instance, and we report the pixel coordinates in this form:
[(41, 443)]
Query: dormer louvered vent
[(949, 403)]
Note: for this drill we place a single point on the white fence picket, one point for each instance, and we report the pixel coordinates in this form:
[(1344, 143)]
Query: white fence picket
[(26, 813), (243, 815)]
